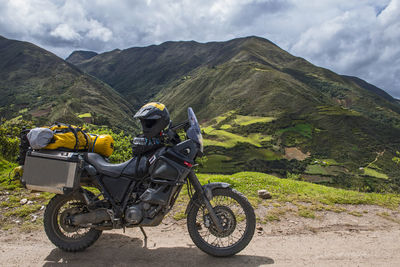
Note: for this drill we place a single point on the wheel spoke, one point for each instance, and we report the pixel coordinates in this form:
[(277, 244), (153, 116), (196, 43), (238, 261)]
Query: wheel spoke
[(232, 217)]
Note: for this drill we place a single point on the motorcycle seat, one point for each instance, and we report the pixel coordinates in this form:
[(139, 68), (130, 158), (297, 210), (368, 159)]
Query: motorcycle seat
[(110, 169)]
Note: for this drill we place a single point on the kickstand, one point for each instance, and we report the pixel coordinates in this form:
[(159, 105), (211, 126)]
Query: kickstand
[(145, 236)]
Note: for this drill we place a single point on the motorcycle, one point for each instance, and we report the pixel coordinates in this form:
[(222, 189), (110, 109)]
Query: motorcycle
[(142, 190)]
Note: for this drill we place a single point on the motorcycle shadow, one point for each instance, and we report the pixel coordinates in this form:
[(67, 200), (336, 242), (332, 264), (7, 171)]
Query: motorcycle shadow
[(121, 250)]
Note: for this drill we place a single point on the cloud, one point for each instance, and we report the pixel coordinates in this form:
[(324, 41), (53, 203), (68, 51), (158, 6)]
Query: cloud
[(53, 24), (65, 32), (360, 41), (350, 37)]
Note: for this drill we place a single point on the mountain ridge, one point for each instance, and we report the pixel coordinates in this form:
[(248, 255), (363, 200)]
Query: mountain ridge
[(125, 78)]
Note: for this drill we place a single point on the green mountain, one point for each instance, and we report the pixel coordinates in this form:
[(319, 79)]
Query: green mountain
[(264, 109), (79, 56), (39, 86)]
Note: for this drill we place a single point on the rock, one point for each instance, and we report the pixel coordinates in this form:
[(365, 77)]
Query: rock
[(264, 194), (29, 202), (23, 201), (259, 228), (42, 208), (34, 217)]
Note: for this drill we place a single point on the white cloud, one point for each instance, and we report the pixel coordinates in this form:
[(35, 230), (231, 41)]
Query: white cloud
[(65, 32), (97, 31), (350, 37)]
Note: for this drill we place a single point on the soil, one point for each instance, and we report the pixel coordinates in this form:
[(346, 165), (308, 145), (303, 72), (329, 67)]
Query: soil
[(295, 153), (331, 239)]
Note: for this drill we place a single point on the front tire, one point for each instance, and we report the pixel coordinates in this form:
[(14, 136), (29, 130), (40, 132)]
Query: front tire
[(67, 237), (237, 217)]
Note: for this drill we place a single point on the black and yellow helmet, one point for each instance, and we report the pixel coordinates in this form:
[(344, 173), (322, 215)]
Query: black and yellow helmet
[(154, 117)]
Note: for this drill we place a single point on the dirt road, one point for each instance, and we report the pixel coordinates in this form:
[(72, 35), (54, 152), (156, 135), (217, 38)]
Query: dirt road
[(169, 245)]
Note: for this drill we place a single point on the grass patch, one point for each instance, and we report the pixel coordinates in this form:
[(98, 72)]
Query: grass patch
[(336, 110), (306, 213), (222, 138), (23, 211), (316, 169), (375, 173), (355, 213), (217, 135), (85, 115), (247, 120), (329, 162), (304, 129), (286, 190), (275, 214), (215, 163)]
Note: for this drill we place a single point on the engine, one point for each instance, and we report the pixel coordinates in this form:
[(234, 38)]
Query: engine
[(148, 205), (134, 214)]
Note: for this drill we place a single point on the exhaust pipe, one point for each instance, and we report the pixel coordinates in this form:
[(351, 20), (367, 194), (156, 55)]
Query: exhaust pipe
[(96, 216)]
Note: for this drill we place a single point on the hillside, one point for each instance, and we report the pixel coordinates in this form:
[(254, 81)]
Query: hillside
[(263, 109), (39, 86), (243, 68)]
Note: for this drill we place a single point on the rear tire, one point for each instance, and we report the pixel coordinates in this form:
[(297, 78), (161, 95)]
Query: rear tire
[(240, 225), (67, 237)]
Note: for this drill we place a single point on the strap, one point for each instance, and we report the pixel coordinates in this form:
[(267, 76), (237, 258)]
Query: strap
[(85, 136), (94, 143), (76, 147)]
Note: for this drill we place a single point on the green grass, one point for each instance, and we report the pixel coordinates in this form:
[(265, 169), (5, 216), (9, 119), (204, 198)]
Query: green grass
[(375, 173), (85, 115), (303, 128), (6, 168), (247, 120), (215, 163), (335, 110), (23, 211), (226, 139), (327, 162), (316, 169), (226, 126), (289, 190), (218, 136), (306, 213)]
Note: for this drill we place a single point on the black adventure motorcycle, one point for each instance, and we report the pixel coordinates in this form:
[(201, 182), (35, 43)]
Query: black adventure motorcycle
[(141, 191)]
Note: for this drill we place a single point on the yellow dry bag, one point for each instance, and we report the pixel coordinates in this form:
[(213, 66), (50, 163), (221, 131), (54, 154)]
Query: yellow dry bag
[(68, 137), (102, 144)]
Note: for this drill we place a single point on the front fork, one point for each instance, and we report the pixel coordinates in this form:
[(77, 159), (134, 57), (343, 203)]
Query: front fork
[(205, 196)]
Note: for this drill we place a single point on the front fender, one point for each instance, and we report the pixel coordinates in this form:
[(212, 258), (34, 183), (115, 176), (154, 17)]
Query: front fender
[(207, 189)]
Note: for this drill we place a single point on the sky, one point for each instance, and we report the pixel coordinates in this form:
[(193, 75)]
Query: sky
[(351, 37)]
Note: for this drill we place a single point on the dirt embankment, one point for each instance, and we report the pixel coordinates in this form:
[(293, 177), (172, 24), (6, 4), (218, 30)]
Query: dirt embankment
[(332, 239)]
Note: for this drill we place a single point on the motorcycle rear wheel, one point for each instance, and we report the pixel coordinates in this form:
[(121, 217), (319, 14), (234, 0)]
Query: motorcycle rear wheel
[(68, 237), (237, 218)]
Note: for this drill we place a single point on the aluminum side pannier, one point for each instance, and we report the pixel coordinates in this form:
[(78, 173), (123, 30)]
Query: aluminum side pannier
[(52, 171)]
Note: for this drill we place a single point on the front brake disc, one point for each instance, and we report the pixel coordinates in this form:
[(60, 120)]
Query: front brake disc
[(227, 219)]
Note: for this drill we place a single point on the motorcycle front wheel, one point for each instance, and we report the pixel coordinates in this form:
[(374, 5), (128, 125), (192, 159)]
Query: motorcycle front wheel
[(236, 216), (62, 234)]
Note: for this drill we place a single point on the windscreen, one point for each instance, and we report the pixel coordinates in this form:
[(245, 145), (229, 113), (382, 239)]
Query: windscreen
[(194, 132)]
